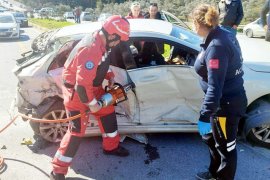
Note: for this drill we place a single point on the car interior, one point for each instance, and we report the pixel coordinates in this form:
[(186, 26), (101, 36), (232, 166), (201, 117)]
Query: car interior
[(136, 53)]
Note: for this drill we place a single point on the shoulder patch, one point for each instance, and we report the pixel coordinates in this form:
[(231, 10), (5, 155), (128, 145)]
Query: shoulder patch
[(89, 65), (214, 63)]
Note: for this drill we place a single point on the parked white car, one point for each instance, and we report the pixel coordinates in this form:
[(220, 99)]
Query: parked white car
[(69, 15), (166, 98), (9, 28), (86, 16), (254, 29)]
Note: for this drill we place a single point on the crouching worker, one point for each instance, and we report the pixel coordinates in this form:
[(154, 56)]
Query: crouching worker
[(83, 74), (219, 65)]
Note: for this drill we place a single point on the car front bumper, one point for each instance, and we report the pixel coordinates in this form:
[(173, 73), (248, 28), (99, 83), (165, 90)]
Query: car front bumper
[(7, 34)]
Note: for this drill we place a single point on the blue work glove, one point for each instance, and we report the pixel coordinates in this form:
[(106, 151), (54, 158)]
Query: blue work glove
[(204, 127)]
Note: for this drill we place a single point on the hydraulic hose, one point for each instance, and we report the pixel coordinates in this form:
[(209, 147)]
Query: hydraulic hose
[(39, 121)]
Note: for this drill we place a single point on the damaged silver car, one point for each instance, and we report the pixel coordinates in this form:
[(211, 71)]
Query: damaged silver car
[(166, 98)]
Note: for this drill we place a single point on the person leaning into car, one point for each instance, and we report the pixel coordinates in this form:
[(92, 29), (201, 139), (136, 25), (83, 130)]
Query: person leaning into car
[(230, 14), (83, 74), (219, 65)]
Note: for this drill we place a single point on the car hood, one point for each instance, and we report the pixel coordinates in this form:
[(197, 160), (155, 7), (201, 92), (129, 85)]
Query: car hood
[(21, 18), (41, 42), (259, 66), (7, 25)]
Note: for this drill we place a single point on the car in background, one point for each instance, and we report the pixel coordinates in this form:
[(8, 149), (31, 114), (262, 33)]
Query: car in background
[(166, 97), (69, 15), (9, 28), (47, 11), (21, 19), (3, 9), (103, 16), (86, 16), (254, 29)]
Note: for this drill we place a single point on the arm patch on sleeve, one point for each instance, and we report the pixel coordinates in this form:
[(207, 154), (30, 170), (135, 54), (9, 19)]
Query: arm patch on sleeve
[(89, 65), (214, 63)]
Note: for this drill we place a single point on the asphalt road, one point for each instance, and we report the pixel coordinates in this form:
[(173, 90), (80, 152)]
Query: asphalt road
[(168, 156)]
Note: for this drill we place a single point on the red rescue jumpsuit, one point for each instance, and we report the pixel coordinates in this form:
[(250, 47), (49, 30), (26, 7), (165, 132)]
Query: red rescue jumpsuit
[(83, 74)]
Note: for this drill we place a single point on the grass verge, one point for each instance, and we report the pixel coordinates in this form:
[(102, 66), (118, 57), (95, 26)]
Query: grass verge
[(50, 23)]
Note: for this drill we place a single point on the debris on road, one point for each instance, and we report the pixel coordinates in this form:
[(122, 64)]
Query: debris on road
[(26, 141)]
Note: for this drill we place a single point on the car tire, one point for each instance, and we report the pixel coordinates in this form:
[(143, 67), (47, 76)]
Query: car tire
[(52, 132), (256, 136), (267, 36), (260, 135), (249, 33)]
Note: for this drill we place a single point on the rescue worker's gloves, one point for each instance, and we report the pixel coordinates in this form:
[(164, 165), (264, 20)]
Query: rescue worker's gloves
[(204, 127), (96, 107)]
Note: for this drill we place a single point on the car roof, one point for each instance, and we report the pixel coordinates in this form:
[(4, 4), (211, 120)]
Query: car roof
[(7, 13), (145, 25)]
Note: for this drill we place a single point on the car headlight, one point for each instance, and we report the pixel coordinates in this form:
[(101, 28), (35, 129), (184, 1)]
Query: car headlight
[(13, 29)]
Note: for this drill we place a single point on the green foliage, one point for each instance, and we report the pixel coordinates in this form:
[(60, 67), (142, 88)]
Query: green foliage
[(49, 23)]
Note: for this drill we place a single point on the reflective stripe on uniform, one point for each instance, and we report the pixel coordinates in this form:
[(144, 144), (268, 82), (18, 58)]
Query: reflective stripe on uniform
[(222, 122), (231, 145), (62, 158), (93, 102), (110, 135)]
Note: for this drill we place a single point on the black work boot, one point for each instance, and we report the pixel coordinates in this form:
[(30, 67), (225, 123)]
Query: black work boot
[(205, 176), (119, 151), (54, 176)]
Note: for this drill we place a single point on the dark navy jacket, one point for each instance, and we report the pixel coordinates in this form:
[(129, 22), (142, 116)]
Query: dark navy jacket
[(219, 65), (230, 14)]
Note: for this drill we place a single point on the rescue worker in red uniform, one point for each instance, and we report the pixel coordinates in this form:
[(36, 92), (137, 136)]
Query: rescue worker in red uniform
[(83, 74)]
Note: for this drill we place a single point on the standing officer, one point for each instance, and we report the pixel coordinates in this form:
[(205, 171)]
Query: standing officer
[(230, 14), (219, 65), (83, 74), (266, 23)]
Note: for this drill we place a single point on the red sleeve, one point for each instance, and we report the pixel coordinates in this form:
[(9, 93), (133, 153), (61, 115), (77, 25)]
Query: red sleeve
[(87, 63)]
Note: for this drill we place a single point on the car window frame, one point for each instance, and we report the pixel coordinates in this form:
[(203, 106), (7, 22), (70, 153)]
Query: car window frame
[(167, 41)]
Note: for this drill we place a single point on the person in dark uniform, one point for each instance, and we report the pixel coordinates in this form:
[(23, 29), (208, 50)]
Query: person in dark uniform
[(219, 66), (230, 14)]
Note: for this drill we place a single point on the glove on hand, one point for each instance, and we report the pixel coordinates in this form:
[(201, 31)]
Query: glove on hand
[(96, 107), (204, 127)]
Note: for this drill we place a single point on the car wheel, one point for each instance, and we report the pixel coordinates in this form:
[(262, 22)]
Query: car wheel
[(52, 132), (249, 33), (260, 135), (258, 125)]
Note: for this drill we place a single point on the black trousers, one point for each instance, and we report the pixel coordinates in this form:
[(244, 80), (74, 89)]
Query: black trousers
[(222, 140)]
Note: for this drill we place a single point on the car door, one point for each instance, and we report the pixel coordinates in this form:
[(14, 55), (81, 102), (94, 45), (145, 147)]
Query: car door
[(167, 93)]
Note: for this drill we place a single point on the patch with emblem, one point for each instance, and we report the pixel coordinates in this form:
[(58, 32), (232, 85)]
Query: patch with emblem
[(89, 65), (214, 63)]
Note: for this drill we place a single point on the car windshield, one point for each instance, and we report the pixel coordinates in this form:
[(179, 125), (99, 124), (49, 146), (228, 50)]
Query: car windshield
[(19, 15), (6, 19), (186, 35)]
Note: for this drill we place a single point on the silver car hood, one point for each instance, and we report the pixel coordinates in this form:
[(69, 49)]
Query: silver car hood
[(259, 66), (7, 25)]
